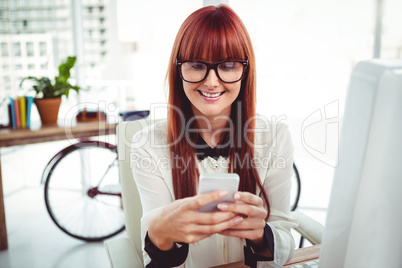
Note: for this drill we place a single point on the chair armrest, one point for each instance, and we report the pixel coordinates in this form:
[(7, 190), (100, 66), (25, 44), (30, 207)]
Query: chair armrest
[(308, 228), (122, 253)]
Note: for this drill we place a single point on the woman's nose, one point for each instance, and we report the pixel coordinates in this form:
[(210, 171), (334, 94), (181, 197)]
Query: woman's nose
[(211, 80)]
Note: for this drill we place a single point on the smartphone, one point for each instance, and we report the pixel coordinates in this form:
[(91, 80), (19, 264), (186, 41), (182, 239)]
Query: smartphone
[(210, 182)]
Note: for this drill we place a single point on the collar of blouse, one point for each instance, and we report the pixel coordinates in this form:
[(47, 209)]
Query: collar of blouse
[(203, 150)]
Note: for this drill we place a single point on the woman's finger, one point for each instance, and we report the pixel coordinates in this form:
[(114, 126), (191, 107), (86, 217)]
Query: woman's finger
[(204, 199), (206, 218), (248, 198), (250, 224), (244, 209), (219, 227)]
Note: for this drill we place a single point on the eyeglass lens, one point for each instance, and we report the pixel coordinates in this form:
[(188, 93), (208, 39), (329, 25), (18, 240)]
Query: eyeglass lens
[(228, 71)]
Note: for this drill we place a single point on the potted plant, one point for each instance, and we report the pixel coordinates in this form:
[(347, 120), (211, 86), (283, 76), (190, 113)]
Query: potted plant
[(48, 93)]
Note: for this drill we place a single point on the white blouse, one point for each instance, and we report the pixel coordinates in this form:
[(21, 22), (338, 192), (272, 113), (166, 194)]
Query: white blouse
[(273, 152)]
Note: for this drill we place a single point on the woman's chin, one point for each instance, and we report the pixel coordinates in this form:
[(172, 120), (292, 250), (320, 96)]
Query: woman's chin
[(211, 113)]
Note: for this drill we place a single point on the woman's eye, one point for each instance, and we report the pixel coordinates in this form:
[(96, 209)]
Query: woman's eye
[(197, 66), (227, 66)]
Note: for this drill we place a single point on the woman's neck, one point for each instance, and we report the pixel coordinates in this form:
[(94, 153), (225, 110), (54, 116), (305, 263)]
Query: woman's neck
[(212, 128)]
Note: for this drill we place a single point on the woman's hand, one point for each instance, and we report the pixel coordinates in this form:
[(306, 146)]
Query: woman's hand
[(181, 221), (251, 208)]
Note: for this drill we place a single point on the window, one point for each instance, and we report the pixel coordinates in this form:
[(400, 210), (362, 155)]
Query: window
[(90, 9), (43, 66), (101, 20), (25, 13), (31, 66), (51, 12), (13, 13), (30, 49), (4, 50), (3, 25), (17, 49), (18, 67), (6, 67), (42, 49)]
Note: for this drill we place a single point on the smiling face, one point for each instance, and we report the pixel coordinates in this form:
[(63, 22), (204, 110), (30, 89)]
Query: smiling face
[(211, 97), (211, 36)]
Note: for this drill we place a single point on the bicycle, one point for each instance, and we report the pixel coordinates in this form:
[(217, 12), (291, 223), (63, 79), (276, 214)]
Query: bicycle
[(82, 190), (296, 189), (84, 201)]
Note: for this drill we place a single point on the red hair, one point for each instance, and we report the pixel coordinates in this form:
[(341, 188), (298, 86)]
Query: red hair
[(213, 34)]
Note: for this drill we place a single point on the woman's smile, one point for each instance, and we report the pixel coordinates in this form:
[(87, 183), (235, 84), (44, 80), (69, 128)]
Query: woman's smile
[(211, 96)]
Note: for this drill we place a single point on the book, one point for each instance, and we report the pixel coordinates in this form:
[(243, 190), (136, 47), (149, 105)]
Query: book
[(12, 114), (21, 102), (28, 102), (17, 113)]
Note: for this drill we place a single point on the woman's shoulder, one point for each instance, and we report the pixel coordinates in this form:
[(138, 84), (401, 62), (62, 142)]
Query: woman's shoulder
[(270, 128), (152, 134), (270, 134)]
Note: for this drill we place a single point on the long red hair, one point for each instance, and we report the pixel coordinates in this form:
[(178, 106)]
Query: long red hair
[(213, 34)]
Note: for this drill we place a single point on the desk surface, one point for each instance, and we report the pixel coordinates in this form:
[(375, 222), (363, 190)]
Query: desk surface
[(12, 137), (301, 256)]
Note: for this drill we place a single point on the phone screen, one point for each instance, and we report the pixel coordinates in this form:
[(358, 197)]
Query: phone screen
[(210, 182)]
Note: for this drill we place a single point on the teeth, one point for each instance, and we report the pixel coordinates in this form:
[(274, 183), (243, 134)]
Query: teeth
[(210, 95)]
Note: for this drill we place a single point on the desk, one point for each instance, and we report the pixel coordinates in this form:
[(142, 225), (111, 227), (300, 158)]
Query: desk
[(11, 137), (301, 256)]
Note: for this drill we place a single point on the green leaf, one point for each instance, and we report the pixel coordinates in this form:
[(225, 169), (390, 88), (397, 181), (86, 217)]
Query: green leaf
[(43, 86), (29, 78)]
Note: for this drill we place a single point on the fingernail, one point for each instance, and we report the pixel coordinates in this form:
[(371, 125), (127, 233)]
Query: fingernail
[(236, 196), (222, 206), (238, 220), (223, 193)]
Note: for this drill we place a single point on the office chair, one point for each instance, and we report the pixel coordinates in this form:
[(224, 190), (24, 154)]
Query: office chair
[(127, 251)]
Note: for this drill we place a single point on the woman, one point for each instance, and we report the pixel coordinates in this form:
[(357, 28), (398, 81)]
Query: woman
[(212, 127)]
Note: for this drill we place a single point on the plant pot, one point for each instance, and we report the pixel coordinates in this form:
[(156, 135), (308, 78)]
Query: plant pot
[(48, 110)]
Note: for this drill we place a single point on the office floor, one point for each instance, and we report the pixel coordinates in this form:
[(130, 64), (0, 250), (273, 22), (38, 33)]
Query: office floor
[(35, 241)]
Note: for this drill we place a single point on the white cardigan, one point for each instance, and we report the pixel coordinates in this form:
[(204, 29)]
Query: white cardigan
[(273, 152)]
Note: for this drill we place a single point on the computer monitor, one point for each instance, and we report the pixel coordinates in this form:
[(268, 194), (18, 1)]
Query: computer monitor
[(364, 220)]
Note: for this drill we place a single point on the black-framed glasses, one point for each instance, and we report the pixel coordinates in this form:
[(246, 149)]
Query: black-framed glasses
[(227, 71)]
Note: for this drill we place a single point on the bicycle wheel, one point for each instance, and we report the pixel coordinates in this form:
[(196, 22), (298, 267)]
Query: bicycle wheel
[(295, 190), (82, 191)]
